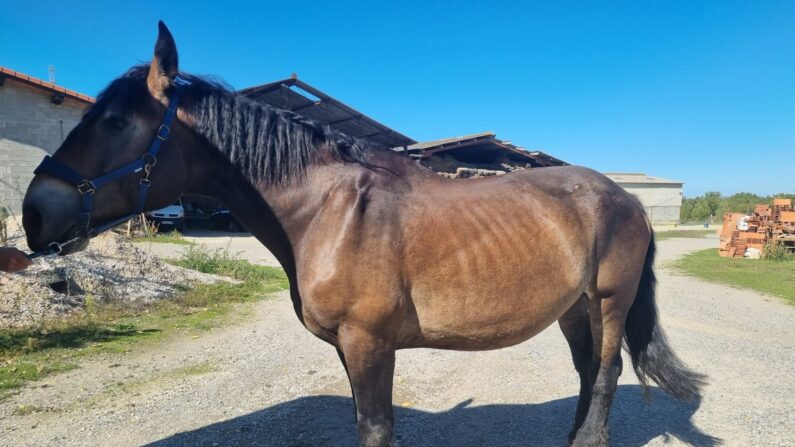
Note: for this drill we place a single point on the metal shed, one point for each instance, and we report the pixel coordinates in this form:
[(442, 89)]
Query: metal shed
[(661, 198)]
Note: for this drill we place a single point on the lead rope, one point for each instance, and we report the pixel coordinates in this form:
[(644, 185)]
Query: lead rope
[(53, 249)]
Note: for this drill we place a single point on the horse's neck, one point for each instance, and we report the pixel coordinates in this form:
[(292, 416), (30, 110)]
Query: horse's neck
[(298, 202), (280, 215), (277, 216), (333, 186), (223, 182)]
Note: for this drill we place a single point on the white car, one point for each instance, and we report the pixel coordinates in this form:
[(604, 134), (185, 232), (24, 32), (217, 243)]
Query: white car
[(172, 216)]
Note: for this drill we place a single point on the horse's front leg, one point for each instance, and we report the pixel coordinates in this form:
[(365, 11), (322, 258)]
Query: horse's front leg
[(370, 361)]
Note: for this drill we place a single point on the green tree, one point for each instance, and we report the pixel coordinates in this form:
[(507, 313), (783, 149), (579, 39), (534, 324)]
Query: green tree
[(712, 205), (701, 210)]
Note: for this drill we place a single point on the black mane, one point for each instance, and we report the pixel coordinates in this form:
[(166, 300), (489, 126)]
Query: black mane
[(267, 144)]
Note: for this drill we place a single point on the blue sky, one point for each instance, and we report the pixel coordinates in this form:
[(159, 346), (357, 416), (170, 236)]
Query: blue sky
[(698, 91)]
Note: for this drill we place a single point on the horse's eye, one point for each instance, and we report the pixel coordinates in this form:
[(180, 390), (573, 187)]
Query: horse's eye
[(115, 122)]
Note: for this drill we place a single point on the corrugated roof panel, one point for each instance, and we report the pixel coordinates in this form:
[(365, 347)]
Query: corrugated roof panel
[(295, 95)]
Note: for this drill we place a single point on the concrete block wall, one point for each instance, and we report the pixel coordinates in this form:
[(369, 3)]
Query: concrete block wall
[(662, 202), (663, 215), (30, 127)]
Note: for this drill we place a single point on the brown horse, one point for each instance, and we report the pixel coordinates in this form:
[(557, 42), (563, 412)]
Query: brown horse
[(383, 254)]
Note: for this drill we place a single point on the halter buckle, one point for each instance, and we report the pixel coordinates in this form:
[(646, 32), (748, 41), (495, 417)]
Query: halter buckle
[(54, 248), (86, 187), (149, 159), (163, 131), (149, 162)]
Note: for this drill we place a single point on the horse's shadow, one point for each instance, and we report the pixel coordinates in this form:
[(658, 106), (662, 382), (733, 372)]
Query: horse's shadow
[(328, 421)]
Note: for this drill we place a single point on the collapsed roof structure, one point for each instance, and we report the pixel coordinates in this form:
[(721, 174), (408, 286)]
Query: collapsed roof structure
[(477, 155), (473, 155), (297, 96)]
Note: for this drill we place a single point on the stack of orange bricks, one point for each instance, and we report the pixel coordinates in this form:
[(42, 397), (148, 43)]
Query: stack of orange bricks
[(767, 223)]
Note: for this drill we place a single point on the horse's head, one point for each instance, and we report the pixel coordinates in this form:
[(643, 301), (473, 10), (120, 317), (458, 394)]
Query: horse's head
[(116, 131)]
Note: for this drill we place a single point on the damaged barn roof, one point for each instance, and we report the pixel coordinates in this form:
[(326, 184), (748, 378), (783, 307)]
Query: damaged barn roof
[(297, 96), (483, 145)]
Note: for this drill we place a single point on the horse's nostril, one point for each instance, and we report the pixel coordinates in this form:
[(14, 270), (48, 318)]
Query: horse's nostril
[(34, 225), (31, 220)]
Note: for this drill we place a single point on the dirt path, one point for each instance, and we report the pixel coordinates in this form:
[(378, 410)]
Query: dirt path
[(267, 381)]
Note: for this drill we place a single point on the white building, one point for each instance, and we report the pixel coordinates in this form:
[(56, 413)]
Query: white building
[(661, 198)]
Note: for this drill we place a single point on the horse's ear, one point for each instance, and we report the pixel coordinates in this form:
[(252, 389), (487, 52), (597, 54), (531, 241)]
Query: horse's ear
[(164, 67)]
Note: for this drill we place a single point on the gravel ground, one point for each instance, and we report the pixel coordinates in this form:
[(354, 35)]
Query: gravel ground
[(267, 381), (111, 270)]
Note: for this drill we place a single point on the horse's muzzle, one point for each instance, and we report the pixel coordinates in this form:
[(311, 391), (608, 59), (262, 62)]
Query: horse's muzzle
[(50, 214), (41, 243)]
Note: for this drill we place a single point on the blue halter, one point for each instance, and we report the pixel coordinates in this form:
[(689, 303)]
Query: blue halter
[(87, 187)]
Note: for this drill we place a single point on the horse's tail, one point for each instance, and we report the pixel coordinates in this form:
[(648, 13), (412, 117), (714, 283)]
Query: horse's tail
[(652, 357)]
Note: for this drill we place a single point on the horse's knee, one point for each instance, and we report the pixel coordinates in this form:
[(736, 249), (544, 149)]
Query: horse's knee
[(370, 366)]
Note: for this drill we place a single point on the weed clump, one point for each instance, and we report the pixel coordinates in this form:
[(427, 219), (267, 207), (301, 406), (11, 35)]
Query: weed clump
[(777, 252)]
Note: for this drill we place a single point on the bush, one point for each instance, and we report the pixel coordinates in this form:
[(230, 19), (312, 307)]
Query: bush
[(778, 252), (711, 206), (218, 262)]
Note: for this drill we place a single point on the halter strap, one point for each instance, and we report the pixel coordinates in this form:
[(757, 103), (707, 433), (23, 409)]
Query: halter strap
[(87, 187)]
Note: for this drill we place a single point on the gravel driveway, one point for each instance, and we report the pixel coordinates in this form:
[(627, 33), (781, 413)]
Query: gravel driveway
[(267, 381)]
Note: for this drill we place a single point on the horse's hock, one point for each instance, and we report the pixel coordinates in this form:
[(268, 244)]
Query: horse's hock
[(111, 269)]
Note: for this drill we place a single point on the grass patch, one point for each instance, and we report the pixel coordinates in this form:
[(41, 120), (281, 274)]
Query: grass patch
[(662, 235), (30, 354), (27, 409), (198, 369), (777, 252), (222, 262), (175, 237), (773, 277), (15, 374)]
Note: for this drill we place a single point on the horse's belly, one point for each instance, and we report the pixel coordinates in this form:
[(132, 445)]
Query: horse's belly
[(480, 316), (496, 269)]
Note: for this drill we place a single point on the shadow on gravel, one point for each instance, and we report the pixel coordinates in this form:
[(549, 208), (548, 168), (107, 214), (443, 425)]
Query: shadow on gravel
[(328, 421)]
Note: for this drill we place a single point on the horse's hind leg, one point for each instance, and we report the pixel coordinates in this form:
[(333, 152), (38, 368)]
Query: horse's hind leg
[(607, 317), (370, 362), (576, 328)]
